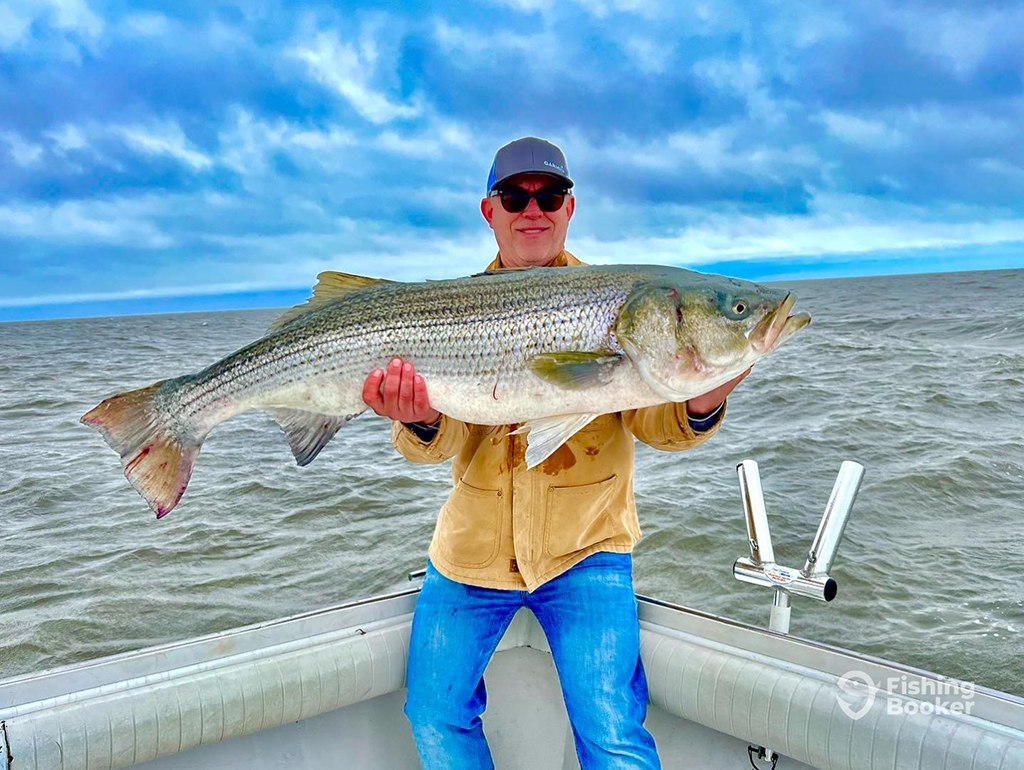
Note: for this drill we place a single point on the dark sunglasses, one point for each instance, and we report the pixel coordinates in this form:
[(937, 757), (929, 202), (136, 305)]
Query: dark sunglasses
[(516, 199)]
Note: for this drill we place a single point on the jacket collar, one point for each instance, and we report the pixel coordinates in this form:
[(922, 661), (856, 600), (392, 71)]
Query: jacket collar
[(563, 259)]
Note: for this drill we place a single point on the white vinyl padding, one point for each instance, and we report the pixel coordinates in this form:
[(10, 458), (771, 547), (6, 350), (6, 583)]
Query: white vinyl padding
[(797, 713), (137, 720), (753, 697)]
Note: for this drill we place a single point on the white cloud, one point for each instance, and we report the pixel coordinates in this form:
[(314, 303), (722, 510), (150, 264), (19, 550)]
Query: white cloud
[(837, 225), (73, 15), (744, 77), (165, 138), (853, 129), (651, 56), (248, 142), (526, 6), (119, 222), (348, 69), (718, 151), (68, 16), (145, 25), (165, 291), (601, 8), (961, 40), (14, 23), (66, 139), (23, 152), (434, 142), (544, 50)]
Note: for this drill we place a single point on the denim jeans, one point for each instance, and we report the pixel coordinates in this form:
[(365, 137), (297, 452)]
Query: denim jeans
[(588, 614)]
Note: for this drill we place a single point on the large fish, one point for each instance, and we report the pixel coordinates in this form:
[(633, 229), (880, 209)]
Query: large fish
[(551, 348)]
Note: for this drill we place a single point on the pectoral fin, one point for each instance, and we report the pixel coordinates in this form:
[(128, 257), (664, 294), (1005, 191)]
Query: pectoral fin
[(576, 370), (308, 432), (546, 434)]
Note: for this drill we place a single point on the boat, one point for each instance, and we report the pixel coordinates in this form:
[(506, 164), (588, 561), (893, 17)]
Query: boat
[(325, 689)]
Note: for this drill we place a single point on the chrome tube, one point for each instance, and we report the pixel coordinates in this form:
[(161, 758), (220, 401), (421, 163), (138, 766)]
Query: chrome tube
[(820, 587), (823, 549), (759, 538)]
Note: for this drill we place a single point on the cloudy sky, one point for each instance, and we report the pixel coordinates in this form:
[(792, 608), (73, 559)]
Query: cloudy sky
[(159, 156)]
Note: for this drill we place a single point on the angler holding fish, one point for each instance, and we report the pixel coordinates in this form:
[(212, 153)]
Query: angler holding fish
[(535, 380), (556, 534)]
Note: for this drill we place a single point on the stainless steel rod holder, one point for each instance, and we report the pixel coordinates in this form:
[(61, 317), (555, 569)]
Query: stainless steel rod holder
[(813, 580), (833, 523), (758, 536), (820, 587)]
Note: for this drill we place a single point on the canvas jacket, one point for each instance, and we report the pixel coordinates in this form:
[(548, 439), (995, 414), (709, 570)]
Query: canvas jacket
[(504, 526)]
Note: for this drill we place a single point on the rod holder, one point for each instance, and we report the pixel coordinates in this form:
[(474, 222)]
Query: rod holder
[(758, 536), (813, 580), (833, 523), (820, 587)]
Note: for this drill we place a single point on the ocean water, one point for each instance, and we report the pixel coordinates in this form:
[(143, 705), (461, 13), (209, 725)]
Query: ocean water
[(919, 378)]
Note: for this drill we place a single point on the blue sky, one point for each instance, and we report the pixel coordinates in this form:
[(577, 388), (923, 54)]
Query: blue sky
[(159, 156)]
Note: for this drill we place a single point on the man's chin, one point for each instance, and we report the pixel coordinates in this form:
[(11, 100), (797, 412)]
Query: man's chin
[(536, 256)]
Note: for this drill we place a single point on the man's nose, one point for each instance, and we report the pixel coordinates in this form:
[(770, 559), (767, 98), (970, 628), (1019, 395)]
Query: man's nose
[(532, 210)]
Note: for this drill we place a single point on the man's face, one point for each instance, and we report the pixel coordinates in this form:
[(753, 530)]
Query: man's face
[(531, 238)]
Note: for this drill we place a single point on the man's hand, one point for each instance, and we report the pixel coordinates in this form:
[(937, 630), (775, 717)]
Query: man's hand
[(403, 396), (706, 403)]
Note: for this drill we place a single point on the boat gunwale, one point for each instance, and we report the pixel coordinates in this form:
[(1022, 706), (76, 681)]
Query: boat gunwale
[(707, 628)]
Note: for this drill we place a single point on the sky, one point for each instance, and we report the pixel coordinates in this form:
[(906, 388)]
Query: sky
[(165, 156)]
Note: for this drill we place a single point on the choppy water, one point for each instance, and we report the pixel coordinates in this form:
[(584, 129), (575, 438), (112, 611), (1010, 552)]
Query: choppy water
[(919, 378)]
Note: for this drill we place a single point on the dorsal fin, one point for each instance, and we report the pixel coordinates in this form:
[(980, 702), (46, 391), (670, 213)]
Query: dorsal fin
[(330, 285), (500, 270)]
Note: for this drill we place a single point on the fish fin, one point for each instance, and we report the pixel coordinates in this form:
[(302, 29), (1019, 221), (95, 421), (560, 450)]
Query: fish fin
[(576, 370), (546, 434), (500, 270), (330, 285), (157, 462), (308, 432)]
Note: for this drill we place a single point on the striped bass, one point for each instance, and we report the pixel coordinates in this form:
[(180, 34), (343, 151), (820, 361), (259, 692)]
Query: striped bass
[(551, 348)]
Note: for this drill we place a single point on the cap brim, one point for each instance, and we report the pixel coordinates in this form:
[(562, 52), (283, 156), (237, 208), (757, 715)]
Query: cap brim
[(545, 172)]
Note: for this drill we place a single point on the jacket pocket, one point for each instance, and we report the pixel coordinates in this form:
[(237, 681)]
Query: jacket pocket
[(578, 516), (470, 526)]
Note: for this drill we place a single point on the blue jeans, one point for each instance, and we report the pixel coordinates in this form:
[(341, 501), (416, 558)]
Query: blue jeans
[(588, 614)]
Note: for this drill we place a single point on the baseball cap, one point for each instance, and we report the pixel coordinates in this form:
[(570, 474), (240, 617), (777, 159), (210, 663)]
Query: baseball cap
[(528, 155)]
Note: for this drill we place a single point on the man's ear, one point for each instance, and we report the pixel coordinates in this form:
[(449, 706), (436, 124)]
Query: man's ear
[(571, 207), (487, 209)]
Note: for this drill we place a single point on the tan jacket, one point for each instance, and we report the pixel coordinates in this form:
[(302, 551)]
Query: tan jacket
[(504, 526)]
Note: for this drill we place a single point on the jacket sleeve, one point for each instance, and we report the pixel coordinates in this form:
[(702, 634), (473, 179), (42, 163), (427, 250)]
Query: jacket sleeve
[(447, 442), (666, 426)]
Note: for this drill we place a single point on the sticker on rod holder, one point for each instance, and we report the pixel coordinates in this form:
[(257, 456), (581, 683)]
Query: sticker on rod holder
[(778, 574)]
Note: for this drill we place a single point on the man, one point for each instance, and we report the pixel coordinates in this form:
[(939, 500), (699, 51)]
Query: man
[(557, 538)]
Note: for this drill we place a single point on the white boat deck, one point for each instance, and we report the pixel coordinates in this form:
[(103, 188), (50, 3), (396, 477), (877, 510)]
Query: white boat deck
[(326, 689)]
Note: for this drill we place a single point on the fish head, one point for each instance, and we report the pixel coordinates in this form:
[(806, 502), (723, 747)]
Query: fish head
[(689, 333)]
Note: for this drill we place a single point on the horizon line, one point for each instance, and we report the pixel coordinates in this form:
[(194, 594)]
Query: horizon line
[(306, 292)]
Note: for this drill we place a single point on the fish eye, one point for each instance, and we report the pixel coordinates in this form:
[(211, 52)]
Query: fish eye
[(739, 307)]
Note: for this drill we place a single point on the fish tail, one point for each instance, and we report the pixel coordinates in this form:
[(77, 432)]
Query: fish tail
[(156, 460)]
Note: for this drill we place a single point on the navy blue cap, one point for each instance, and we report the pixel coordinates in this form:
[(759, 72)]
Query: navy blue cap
[(528, 155)]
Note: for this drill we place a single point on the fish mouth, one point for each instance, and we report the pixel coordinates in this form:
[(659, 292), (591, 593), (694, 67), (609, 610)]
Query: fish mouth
[(778, 326)]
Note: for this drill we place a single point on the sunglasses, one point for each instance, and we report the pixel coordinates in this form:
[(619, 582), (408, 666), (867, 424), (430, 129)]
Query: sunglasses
[(516, 199)]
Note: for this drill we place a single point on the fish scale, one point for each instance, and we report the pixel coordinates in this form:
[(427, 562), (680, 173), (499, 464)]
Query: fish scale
[(540, 346)]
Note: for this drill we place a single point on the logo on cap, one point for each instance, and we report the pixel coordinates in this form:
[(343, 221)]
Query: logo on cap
[(554, 166)]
